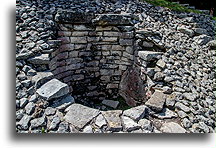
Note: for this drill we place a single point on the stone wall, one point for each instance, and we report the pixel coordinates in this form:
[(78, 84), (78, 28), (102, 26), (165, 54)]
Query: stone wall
[(94, 53)]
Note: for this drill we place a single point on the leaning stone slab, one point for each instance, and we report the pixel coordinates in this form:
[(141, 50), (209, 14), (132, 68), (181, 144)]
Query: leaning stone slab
[(156, 101), (42, 77), (53, 89), (131, 87), (136, 113), (79, 115), (149, 55), (113, 119), (172, 127)]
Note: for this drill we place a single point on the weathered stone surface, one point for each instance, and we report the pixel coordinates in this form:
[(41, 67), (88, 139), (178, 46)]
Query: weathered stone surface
[(54, 122), (23, 102), (146, 124), (149, 55), (29, 108), (24, 122), (50, 111), (38, 122), (190, 96), (136, 113), (161, 64), (88, 129), (42, 77), (79, 115), (110, 103), (113, 119), (186, 31), (100, 121), (40, 60), (182, 107), (73, 17), (53, 89), (166, 114), (112, 19), (131, 87), (156, 101), (129, 125), (172, 127)]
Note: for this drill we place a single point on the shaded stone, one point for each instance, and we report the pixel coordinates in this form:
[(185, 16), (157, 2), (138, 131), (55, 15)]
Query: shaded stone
[(187, 31), (161, 64), (136, 113), (166, 114), (53, 89), (54, 122), (131, 87), (156, 101), (50, 111), (41, 78), (190, 96), (113, 119), (129, 125), (112, 19), (110, 103), (172, 127), (23, 102), (79, 115)]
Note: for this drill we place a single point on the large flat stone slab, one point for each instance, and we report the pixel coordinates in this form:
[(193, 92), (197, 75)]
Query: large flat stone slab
[(156, 101), (172, 127), (79, 115), (113, 119), (53, 89), (129, 125), (136, 113), (40, 60)]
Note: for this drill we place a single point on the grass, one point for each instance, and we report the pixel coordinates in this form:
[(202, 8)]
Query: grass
[(171, 5)]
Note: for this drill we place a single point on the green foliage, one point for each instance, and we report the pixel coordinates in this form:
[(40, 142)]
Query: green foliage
[(43, 130), (171, 5)]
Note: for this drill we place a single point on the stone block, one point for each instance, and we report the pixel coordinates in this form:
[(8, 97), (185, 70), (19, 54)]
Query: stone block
[(78, 39), (127, 42), (53, 89)]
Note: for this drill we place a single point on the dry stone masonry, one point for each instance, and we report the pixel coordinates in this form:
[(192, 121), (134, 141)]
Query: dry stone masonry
[(113, 66)]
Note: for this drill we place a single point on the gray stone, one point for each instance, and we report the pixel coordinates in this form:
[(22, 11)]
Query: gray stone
[(23, 102), (40, 60), (54, 122), (88, 129), (146, 124), (24, 55), (159, 76), (182, 107), (147, 44), (136, 113), (50, 111), (161, 63), (129, 125), (26, 83), (149, 55), (41, 78), (24, 122), (156, 101), (182, 114), (172, 127), (186, 123), (53, 89), (131, 87), (166, 114), (31, 72), (29, 108), (100, 121), (187, 31), (63, 102), (190, 96), (200, 31), (79, 115), (113, 119), (212, 44), (19, 114), (38, 122), (33, 98), (63, 127), (110, 103)]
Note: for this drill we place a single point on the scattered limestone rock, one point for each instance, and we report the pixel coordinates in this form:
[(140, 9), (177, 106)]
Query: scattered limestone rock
[(172, 127)]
